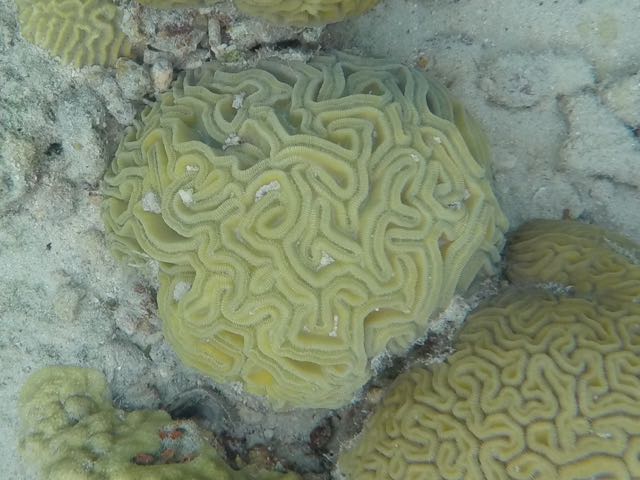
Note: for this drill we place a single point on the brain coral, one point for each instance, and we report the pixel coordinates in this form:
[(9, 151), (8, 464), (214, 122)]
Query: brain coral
[(590, 259), (178, 3), (541, 386), (305, 12), (72, 432), (288, 12), (80, 32), (306, 218)]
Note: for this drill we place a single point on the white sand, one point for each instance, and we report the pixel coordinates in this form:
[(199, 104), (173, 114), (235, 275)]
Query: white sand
[(556, 84)]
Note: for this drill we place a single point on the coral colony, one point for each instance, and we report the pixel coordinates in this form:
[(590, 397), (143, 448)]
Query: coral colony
[(309, 228), (309, 218)]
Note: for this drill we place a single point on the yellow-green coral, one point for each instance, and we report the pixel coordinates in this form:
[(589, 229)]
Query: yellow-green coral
[(71, 431), (305, 12), (288, 12), (306, 217), (178, 3), (540, 386), (587, 258), (80, 32)]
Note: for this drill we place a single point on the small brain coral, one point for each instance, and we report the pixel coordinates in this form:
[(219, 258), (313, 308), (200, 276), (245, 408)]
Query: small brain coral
[(80, 32), (305, 12), (287, 12), (587, 258), (168, 4), (71, 431), (306, 218), (540, 386)]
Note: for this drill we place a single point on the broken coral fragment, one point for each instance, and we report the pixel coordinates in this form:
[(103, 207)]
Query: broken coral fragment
[(306, 218)]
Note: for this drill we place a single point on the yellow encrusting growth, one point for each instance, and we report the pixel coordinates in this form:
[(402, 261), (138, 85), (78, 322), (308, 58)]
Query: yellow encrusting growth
[(80, 32), (541, 385), (306, 217), (71, 431)]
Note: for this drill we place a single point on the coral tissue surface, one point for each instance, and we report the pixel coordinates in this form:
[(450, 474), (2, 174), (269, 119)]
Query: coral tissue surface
[(306, 218), (541, 385), (80, 32)]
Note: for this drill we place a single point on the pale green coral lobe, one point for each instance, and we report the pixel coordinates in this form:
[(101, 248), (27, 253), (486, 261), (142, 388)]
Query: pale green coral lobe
[(588, 258), (288, 12), (306, 217), (168, 4), (305, 12), (71, 431), (80, 32)]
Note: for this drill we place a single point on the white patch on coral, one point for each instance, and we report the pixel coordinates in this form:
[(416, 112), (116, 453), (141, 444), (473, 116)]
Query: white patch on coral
[(232, 140), (264, 189), (336, 322), (458, 205), (325, 260), (237, 388), (186, 196), (437, 139), (381, 361), (180, 290), (238, 100), (192, 168), (151, 203)]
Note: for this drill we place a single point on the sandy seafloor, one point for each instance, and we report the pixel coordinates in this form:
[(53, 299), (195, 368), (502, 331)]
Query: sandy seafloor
[(556, 85)]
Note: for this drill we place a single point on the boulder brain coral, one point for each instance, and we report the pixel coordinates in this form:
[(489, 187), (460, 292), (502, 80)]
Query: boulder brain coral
[(306, 218), (591, 260), (70, 430), (80, 32), (540, 386)]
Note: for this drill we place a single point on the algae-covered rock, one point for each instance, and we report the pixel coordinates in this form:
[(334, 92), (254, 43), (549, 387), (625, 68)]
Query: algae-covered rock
[(80, 32), (541, 385), (306, 218), (71, 431)]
